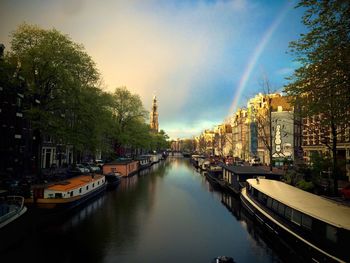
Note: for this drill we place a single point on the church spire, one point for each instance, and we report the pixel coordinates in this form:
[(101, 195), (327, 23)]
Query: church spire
[(154, 116)]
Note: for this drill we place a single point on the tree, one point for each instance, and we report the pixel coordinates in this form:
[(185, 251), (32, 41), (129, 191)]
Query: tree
[(128, 114), (321, 83), (57, 72), (188, 145)]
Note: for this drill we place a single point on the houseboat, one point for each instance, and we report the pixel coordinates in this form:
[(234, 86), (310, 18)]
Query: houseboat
[(125, 166), (13, 220), (144, 162), (68, 193), (196, 159), (113, 179), (236, 176), (11, 208), (214, 176), (317, 227), (186, 154), (155, 158)]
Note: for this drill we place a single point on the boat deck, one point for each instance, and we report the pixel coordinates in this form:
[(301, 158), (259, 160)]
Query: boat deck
[(313, 205), (74, 182)]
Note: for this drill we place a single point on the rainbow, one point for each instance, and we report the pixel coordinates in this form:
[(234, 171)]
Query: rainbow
[(256, 55)]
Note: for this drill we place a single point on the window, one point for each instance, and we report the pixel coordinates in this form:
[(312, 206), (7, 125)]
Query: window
[(288, 213), (58, 195), (281, 208), (19, 102), (274, 205), (80, 190), (331, 233), (93, 185), (306, 222), (269, 202), (296, 217), (71, 194), (87, 187)]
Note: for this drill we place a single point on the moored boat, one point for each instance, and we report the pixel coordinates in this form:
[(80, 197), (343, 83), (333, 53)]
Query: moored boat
[(124, 166), (317, 227), (144, 162), (68, 193), (235, 176), (113, 179), (13, 220), (11, 208), (214, 176)]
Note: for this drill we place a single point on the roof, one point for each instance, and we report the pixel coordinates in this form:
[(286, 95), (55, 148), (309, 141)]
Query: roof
[(305, 202), (248, 170), (73, 183), (121, 161)]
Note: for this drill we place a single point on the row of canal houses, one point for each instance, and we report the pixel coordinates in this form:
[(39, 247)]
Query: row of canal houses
[(246, 135), (316, 227)]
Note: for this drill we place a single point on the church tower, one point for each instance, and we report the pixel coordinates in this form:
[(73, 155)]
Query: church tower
[(154, 116)]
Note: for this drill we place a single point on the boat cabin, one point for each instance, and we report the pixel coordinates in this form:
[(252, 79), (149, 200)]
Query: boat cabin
[(126, 167), (321, 222), (73, 187), (235, 176), (144, 161)]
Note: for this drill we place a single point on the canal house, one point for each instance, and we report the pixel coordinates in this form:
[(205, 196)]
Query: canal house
[(126, 167), (235, 176)]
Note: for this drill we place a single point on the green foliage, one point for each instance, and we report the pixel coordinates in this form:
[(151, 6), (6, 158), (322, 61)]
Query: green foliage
[(292, 177), (320, 86), (67, 103), (58, 74), (306, 186), (188, 145), (319, 163)]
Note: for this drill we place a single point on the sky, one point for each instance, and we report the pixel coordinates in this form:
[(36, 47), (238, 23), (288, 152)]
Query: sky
[(202, 59)]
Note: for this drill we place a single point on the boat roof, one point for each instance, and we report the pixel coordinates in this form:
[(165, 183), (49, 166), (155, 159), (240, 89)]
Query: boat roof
[(248, 170), (73, 182), (316, 206), (121, 161)]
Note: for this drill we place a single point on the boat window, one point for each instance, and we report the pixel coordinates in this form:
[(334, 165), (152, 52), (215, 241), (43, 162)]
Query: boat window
[(71, 194), (80, 190), (98, 182), (93, 185), (296, 217), (306, 221), (331, 233), (87, 187), (269, 202), (58, 195), (281, 208), (288, 213), (274, 205)]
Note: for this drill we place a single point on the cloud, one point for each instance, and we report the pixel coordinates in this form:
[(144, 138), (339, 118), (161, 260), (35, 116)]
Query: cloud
[(191, 54)]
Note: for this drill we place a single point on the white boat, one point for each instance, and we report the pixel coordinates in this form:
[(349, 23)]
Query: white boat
[(319, 228), (68, 193), (11, 208)]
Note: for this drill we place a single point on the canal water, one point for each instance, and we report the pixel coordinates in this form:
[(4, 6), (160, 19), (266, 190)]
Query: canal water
[(168, 213)]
